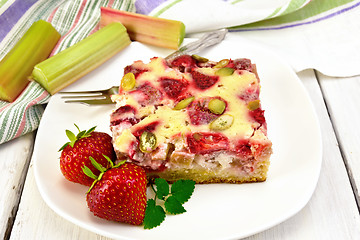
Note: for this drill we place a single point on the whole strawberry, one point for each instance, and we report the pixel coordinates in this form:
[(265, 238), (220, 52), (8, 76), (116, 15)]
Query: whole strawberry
[(119, 193), (75, 154)]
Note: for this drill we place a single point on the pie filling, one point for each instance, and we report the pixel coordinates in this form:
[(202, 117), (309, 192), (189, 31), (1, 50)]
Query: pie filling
[(190, 118)]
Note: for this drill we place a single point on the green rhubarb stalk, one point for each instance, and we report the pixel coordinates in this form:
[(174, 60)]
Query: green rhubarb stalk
[(64, 68), (34, 47), (146, 29)]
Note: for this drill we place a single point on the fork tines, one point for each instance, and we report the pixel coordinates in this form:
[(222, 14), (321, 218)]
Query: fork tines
[(94, 97), (92, 101)]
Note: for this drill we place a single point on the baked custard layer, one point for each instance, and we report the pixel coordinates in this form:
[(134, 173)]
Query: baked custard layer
[(191, 118)]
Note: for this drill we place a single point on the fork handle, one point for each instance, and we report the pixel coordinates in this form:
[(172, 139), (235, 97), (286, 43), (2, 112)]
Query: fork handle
[(207, 40)]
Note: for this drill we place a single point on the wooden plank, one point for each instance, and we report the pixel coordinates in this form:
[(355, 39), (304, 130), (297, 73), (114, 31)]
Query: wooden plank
[(14, 160), (331, 213), (35, 220), (343, 101)]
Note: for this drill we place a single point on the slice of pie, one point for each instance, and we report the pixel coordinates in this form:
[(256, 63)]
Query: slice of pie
[(191, 118)]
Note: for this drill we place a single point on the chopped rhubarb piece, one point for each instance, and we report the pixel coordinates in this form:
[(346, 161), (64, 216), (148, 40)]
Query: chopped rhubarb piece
[(151, 30)]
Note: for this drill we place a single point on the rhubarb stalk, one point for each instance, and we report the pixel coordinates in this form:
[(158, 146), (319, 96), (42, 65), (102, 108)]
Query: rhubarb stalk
[(64, 68), (34, 47), (146, 29)]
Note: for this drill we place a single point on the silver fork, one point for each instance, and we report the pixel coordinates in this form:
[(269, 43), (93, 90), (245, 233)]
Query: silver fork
[(97, 97)]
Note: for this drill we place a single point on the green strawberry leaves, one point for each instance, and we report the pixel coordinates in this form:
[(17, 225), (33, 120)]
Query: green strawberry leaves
[(99, 167), (88, 172), (73, 138), (174, 198), (84, 133)]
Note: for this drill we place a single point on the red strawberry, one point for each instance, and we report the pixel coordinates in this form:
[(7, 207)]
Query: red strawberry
[(119, 193), (76, 153)]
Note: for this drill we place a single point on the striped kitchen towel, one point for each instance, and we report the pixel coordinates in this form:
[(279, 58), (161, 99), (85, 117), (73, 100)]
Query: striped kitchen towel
[(318, 34), (74, 20), (204, 15)]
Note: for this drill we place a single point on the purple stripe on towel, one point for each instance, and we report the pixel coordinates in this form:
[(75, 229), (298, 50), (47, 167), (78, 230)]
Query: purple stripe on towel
[(146, 6), (301, 23), (12, 15)]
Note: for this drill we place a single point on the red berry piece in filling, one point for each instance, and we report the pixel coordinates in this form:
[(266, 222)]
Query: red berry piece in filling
[(173, 88), (250, 94), (202, 142), (203, 81), (243, 64), (199, 113), (258, 115), (124, 113), (135, 71), (242, 147), (184, 61), (149, 128), (146, 94)]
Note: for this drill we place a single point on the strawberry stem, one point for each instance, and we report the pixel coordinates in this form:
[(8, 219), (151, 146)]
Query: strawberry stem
[(73, 138), (119, 164), (88, 172), (109, 161), (99, 167), (92, 185)]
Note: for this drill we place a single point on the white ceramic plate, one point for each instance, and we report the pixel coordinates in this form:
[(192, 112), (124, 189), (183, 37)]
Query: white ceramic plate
[(217, 211)]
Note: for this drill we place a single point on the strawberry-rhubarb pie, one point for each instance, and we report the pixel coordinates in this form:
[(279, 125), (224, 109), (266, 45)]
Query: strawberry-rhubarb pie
[(192, 118)]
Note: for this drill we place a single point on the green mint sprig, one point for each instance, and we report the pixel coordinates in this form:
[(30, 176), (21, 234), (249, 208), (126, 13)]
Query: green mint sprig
[(173, 198)]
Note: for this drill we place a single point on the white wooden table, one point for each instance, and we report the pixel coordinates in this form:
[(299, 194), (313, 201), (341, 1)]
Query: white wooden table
[(332, 212)]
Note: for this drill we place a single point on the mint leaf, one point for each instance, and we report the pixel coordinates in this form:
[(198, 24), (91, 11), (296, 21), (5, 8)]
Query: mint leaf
[(154, 215), (182, 190), (162, 188), (173, 206)]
